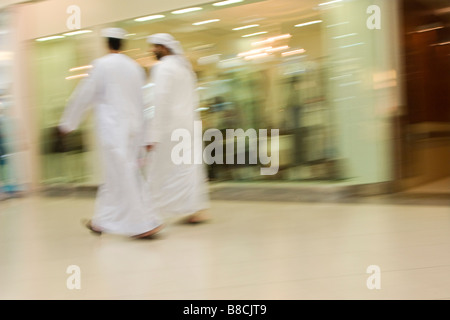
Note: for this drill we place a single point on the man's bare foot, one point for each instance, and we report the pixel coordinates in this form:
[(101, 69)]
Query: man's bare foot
[(88, 224), (149, 234), (198, 217)]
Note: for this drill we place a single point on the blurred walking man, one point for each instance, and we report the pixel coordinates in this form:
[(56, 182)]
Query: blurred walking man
[(114, 86), (178, 189)]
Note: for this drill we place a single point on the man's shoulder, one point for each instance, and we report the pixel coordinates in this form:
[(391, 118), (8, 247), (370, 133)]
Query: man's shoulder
[(167, 64), (99, 62), (126, 58), (115, 59), (133, 63)]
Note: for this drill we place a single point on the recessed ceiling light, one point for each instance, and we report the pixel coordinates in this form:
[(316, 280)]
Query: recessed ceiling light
[(80, 68), (308, 23), (227, 2), (84, 75), (329, 2), (76, 32), (50, 38), (205, 22), (345, 36), (187, 10), (246, 27), (290, 53), (281, 48), (152, 17), (272, 39), (254, 34), (257, 56)]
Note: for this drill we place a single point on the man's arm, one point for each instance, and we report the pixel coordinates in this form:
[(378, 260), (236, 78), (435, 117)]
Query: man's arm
[(148, 109), (162, 92), (79, 102)]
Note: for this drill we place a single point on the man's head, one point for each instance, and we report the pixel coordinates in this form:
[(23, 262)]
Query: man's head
[(164, 44), (115, 37), (160, 51), (114, 44)]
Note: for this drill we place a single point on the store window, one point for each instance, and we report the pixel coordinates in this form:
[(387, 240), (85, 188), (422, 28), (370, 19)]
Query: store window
[(274, 64)]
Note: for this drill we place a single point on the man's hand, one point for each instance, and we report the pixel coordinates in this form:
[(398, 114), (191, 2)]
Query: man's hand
[(150, 147), (62, 132)]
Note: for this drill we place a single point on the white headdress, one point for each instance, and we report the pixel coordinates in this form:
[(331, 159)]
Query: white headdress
[(116, 33), (166, 40)]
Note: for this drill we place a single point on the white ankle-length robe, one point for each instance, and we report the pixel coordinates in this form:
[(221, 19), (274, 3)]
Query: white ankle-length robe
[(114, 89), (177, 189)]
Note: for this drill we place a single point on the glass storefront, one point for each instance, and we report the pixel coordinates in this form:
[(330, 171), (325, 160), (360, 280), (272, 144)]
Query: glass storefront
[(314, 70), (63, 161)]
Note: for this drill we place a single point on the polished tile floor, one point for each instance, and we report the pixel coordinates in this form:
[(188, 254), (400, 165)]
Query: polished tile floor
[(250, 250)]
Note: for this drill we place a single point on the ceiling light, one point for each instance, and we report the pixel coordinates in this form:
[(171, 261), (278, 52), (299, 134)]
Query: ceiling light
[(441, 44), (80, 68), (272, 39), (337, 24), (76, 32), (226, 2), (429, 29), (252, 52), (256, 56), (308, 23), (147, 18), (77, 76), (187, 10), (329, 2), (50, 38), (205, 22), (345, 36), (246, 27), (290, 53), (277, 49), (254, 34)]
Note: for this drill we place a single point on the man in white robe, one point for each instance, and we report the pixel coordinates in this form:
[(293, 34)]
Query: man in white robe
[(114, 87), (178, 189)]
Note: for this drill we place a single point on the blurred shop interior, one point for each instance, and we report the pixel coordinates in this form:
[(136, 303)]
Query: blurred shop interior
[(354, 105)]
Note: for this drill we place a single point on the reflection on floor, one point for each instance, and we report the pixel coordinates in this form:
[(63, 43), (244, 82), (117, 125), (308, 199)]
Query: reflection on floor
[(251, 250)]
